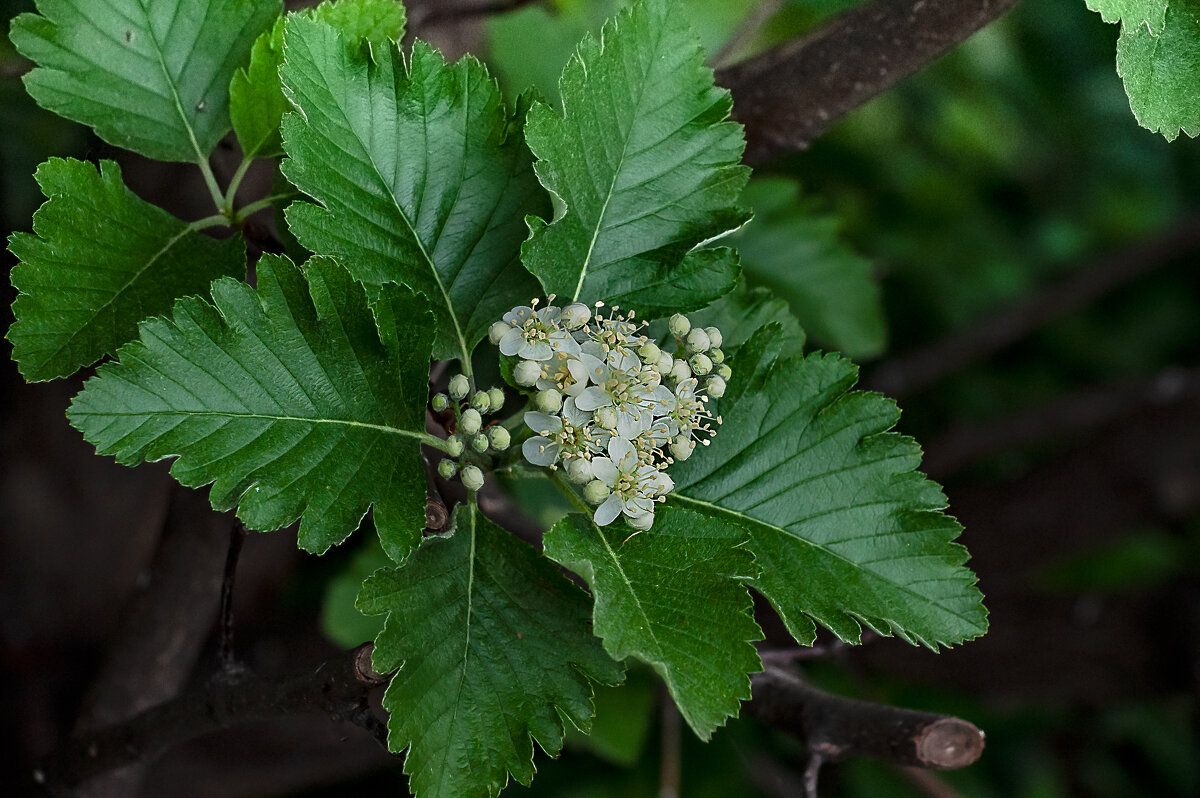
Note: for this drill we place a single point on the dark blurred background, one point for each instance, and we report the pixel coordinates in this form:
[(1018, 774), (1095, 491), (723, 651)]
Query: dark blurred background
[(1007, 181)]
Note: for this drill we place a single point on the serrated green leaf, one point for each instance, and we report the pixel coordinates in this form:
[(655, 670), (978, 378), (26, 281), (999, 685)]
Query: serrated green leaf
[(1160, 69), (672, 598), (743, 311), (294, 401), (1151, 13), (99, 261), (794, 249), (843, 529), (256, 101), (493, 647), (644, 163), (151, 76), (420, 174)]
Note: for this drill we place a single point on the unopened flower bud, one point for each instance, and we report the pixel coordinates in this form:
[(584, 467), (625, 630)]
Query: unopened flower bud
[(500, 438), (548, 401), (700, 364), (460, 386), (714, 336), (642, 522), (575, 315), (495, 399), (481, 401), (470, 422), (454, 446), (479, 443), (697, 341), (497, 331), (717, 355), (715, 387), (579, 470), (680, 325), (680, 371), (649, 352), (595, 492), (682, 447), (447, 469), (440, 402), (606, 417), (472, 478), (527, 373), (724, 372)]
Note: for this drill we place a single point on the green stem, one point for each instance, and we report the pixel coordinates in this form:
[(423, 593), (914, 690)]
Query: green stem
[(235, 182), (214, 188), (254, 207), (216, 220)]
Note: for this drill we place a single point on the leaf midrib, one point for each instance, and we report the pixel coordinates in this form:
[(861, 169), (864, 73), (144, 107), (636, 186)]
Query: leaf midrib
[(158, 51), (750, 523)]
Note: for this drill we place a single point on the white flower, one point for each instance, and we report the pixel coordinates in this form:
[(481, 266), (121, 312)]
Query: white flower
[(568, 434), (536, 334), (566, 374), (634, 484)]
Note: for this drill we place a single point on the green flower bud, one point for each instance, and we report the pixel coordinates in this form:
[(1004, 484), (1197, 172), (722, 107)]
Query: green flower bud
[(724, 372), (454, 446), (470, 422), (714, 336), (548, 401), (496, 399), (717, 355), (576, 315), (481, 401), (682, 447), (447, 469), (527, 373), (715, 386), (595, 492), (500, 438), (700, 364), (680, 325), (697, 341), (440, 402), (642, 522), (606, 417), (479, 443), (497, 331), (649, 352), (579, 470), (681, 371), (472, 478), (460, 386)]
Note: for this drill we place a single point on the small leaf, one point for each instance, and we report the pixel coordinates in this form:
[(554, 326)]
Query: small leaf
[(493, 647), (152, 77), (672, 598), (795, 250), (1159, 70), (644, 163), (843, 529), (256, 101), (290, 400), (419, 173), (101, 260)]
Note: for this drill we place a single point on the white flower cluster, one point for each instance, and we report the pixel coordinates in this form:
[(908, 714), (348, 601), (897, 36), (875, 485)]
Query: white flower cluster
[(608, 404)]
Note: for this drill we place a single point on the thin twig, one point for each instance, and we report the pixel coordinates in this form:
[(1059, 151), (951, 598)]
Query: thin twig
[(911, 373), (812, 773), (670, 767), (227, 662)]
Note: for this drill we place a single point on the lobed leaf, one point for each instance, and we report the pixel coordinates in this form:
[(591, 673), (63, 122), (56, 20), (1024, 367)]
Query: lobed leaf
[(256, 101), (672, 598), (419, 174), (151, 76), (644, 164), (493, 648), (843, 529), (99, 261), (298, 400)]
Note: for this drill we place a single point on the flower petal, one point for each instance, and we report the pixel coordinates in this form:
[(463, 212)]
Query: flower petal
[(621, 452), (542, 423), (609, 509), (540, 451), (534, 350), (593, 397), (510, 342), (604, 470)]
